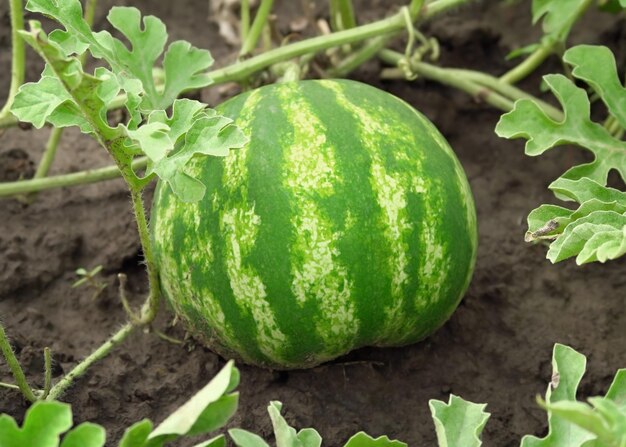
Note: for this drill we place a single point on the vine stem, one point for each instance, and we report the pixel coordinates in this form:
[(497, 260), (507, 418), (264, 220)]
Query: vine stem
[(245, 20), (358, 58), (342, 14), (241, 70), (59, 181), (392, 25), (480, 85), (529, 65), (151, 306), (47, 360), (14, 366), (547, 47), (17, 56), (60, 387), (260, 19)]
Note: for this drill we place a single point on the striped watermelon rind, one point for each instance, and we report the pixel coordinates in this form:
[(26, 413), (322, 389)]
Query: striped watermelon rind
[(347, 221)]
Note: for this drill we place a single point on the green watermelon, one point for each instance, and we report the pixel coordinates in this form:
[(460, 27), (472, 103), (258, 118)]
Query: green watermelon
[(347, 221)]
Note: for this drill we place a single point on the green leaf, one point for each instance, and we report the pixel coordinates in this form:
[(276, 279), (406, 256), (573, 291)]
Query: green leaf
[(604, 419), (243, 438), (71, 98), (184, 67), (216, 415), (594, 231), (528, 121), (612, 6), (557, 15), (137, 434), (362, 439), (600, 236), (596, 66), (36, 101), (568, 367), (218, 441), (68, 42), (153, 138), (617, 390), (287, 436), (458, 423), (85, 435), (147, 38), (198, 414), (183, 64), (43, 425), (209, 134), (309, 437)]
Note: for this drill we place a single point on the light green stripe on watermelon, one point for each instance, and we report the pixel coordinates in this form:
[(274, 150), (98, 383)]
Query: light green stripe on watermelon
[(240, 226), (391, 189), (318, 273), (355, 213)]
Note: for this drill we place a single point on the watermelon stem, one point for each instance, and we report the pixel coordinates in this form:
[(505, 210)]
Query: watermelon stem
[(18, 56), (80, 369), (480, 85), (15, 367), (244, 27)]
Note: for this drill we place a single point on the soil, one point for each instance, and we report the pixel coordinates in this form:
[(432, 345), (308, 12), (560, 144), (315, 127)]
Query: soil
[(496, 348)]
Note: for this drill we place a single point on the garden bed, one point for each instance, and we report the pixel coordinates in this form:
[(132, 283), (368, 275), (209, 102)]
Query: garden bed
[(496, 348)]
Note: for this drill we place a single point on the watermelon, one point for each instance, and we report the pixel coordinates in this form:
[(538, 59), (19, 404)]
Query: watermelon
[(347, 221)]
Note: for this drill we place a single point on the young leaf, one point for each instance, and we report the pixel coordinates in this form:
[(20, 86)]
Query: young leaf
[(218, 441), (362, 439), (605, 418), (183, 64), (209, 409), (184, 67), (85, 435), (596, 66), (286, 436), (528, 121), (596, 231), (208, 134), (137, 434), (458, 422), (557, 15), (35, 102), (568, 367), (243, 438), (44, 424)]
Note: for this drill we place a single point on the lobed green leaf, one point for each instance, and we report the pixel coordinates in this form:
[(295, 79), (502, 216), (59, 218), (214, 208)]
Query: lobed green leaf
[(183, 64), (458, 422), (85, 435), (44, 424), (362, 439), (195, 131), (557, 15), (568, 368), (596, 230)]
